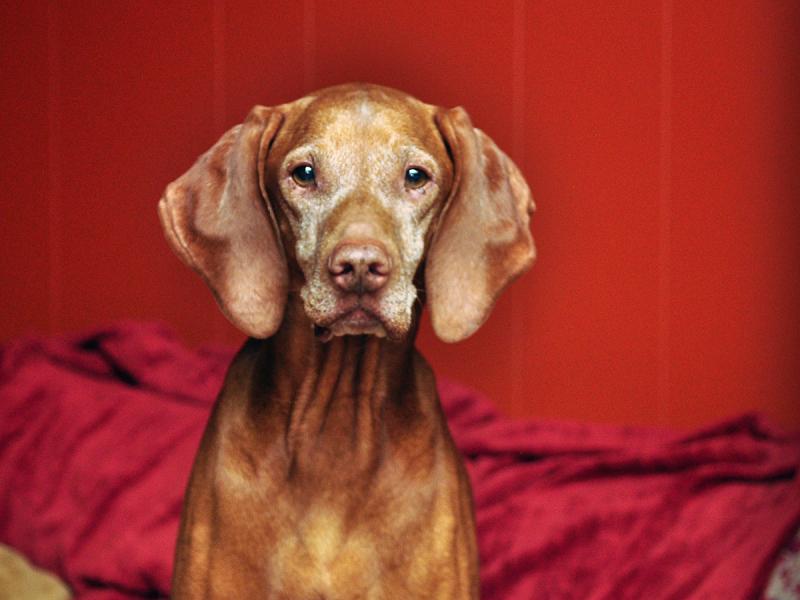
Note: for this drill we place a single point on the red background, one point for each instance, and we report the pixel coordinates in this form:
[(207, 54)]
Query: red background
[(661, 142)]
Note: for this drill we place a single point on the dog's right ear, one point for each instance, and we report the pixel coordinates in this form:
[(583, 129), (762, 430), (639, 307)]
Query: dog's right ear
[(219, 221)]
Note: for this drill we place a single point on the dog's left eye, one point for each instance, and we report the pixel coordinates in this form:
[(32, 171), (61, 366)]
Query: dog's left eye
[(303, 175), (416, 177)]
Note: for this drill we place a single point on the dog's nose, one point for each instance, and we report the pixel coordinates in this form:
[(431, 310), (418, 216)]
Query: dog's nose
[(359, 266)]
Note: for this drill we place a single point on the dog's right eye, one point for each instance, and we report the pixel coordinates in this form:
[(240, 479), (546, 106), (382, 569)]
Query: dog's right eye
[(303, 175)]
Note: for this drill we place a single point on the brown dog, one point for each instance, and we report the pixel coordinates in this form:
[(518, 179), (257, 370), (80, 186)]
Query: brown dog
[(327, 469)]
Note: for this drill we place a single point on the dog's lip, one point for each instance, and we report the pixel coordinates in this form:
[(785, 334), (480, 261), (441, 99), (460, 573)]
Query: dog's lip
[(357, 316), (360, 315), (352, 312), (354, 315)]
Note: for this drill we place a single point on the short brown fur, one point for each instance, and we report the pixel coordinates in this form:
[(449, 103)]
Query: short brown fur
[(327, 470)]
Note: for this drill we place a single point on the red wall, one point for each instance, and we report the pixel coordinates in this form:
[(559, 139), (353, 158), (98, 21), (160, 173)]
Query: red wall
[(660, 140)]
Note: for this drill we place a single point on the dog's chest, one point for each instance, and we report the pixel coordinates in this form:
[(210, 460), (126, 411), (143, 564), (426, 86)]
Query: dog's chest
[(320, 558), (323, 558)]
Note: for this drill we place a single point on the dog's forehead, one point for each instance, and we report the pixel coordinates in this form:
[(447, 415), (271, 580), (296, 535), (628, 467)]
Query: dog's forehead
[(364, 116)]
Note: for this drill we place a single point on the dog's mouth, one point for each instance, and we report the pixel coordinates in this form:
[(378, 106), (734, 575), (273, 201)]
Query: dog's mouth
[(353, 320)]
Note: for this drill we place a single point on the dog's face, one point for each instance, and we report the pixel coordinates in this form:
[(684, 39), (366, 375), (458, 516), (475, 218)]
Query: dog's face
[(356, 179), (343, 196)]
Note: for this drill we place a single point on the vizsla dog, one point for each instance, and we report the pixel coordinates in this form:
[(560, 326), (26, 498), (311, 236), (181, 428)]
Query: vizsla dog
[(327, 470)]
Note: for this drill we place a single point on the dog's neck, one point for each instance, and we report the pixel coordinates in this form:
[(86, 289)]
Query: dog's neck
[(334, 397)]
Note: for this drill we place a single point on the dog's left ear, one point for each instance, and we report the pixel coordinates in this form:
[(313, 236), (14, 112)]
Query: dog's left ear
[(483, 241), (218, 220)]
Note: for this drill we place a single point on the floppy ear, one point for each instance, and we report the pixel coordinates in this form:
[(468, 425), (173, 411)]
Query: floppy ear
[(218, 220), (482, 242)]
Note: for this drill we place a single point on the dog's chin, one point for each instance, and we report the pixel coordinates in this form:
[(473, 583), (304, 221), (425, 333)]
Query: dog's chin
[(356, 321)]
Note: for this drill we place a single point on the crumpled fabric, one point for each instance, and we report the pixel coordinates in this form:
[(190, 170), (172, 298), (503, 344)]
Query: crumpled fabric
[(98, 432)]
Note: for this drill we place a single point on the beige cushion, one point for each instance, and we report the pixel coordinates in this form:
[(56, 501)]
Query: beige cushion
[(20, 580)]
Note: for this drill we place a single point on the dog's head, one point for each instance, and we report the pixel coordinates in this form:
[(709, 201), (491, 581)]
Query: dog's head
[(346, 196)]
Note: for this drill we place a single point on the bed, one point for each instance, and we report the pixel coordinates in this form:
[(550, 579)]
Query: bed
[(98, 431)]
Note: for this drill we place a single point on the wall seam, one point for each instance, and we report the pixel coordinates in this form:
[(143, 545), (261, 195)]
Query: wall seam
[(518, 108), (55, 282), (665, 217), (218, 100)]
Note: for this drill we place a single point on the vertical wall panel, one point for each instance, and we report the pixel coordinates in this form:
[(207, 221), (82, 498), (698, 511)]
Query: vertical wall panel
[(736, 221), (263, 55), (592, 135), (24, 175), (135, 108)]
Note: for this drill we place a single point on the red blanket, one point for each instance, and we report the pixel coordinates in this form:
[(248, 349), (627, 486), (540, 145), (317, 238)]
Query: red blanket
[(98, 432)]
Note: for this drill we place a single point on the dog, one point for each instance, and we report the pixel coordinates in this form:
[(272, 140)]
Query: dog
[(322, 226)]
